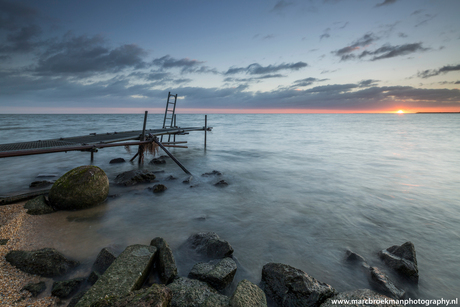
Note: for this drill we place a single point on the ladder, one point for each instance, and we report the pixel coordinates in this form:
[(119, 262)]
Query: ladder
[(168, 121)]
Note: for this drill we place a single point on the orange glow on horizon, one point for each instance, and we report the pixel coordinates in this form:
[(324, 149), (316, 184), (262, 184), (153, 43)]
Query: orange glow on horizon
[(400, 112)]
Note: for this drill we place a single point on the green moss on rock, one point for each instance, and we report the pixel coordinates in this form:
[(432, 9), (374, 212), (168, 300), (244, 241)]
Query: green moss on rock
[(80, 188)]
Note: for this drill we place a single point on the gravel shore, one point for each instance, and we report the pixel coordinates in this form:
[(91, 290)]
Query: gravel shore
[(16, 225)]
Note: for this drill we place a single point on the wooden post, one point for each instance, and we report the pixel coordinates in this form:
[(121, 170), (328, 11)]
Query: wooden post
[(141, 147), (175, 125), (205, 129)]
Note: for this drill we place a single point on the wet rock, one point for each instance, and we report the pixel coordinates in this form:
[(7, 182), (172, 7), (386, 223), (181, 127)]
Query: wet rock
[(41, 183), (380, 282), (134, 177), (248, 294), (170, 177), (4, 241), (46, 175), (213, 173), (127, 273), (73, 302), (117, 160), (93, 277), (35, 288), (190, 292), (188, 179), (216, 301), (38, 206), (210, 245), (221, 183), (46, 262), (64, 289), (80, 188), (104, 259), (157, 161), (354, 257), (156, 296), (218, 274), (402, 259), (361, 297), (158, 188), (167, 269), (289, 286)]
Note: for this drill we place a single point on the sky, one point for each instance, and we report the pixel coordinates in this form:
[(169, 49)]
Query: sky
[(251, 56)]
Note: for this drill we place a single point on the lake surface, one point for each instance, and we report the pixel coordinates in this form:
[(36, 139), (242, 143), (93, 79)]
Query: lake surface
[(303, 188)]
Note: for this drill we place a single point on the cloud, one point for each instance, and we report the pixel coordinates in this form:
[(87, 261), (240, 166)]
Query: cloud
[(257, 69), (325, 34), (388, 51), (187, 65), (281, 5), (424, 20), (306, 82), (386, 2), (269, 36), (401, 34), (434, 72), (14, 14), (364, 41)]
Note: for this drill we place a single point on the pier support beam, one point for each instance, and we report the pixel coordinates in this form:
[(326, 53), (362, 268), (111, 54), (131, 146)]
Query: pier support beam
[(141, 147), (205, 129)]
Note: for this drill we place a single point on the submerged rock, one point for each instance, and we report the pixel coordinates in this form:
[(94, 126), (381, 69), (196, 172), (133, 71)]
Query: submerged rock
[(380, 282), (133, 177), (156, 296), (402, 259), (362, 298), (41, 183), (217, 274), (35, 288), (157, 161), (210, 245), (221, 183), (46, 262), (213, 173), (65, 288), (167, 269), (38, 206), (117, 160), (248, 294), (158, 188), (80, 188), (289, 286)]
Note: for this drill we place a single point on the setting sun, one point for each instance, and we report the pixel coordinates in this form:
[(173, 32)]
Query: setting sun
[(400, 111)]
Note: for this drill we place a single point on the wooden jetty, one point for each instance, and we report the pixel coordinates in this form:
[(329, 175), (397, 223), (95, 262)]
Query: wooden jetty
[(91, 143)]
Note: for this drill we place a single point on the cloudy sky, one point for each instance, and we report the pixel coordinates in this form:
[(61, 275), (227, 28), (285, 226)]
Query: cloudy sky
[(109, 56)]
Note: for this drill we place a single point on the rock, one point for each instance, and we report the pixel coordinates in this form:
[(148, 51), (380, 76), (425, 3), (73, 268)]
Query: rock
[(35, 289), (402, 259), (117, 160), (380, 282), (38, 206), (289, 286), (213, 173), (103, 260), (217, 274), (210, 245), (65, 288), (361, 297), (80, 188), (46, 262), (216, 301), (188, 179), (158, 188), (221, 183), (46, 175), (73, 302), (170, 177), (248, 294), (167, 269), (133, 177), (93, 277), (155, 296), (41, 183), (157, 161), (354, 258), (190, 292), (127, 273), (4, 241)]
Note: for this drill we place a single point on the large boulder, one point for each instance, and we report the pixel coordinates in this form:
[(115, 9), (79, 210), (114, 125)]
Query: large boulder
[(46, 262), (218, 274), (155, 296), (166, 264), (380, 282), (38, 206), (103, 260), (248, 294), (191, 292), (209, 245), (80, 188), (402, 259), (289, 286), (65, 288), (35, 288), (134, 177), (360, 298)]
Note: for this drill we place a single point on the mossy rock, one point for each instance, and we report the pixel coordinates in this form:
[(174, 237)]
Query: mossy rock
[(80, 188)]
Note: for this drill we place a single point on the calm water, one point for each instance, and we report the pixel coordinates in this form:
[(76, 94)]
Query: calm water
[(302, 189)]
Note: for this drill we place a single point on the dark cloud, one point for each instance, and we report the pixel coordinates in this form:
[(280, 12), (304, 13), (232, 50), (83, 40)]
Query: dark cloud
[(257, 69), (281, 5), (386, 2), (269, 36), (186, 65), (325, 34), (424, 20), (306, 82), (388, 51), (364, 41), (13, 15), (253, 79), (82, 54), (367, 83), (434, 72), (401, 34)]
